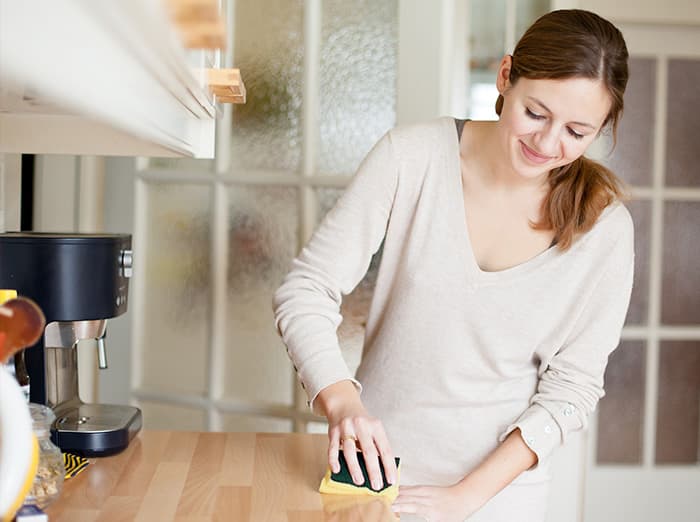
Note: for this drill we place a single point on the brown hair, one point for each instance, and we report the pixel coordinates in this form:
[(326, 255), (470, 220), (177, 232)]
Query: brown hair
[(573, 43)]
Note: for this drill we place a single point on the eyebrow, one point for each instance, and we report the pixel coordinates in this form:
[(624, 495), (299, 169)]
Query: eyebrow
[(538, 102)]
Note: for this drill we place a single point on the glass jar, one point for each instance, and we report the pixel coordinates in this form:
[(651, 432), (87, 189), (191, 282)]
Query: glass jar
[(50, 473)]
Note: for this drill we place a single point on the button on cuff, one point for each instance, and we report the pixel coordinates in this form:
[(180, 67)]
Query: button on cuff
[(539, 432)]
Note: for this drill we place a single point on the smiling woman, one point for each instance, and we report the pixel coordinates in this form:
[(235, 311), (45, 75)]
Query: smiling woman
[(486, 340), (558, 91)]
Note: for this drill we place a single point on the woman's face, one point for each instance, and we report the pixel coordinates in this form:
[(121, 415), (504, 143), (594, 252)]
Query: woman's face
[(545, 124)]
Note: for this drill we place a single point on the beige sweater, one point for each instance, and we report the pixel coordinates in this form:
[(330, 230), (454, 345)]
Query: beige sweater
[(454, 357)]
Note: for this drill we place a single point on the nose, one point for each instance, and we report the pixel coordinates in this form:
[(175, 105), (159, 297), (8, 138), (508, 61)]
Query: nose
[(547, 141)]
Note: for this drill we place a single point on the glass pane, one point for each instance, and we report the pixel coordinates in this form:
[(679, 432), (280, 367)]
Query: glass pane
[(252, 423), (262, 234), (632, 158), (620, 413), (680, 292), (683, 123), (639, 305), (358, 80), (678, 419), (487, 34), (175, 266), (167, 417), (486, 47), (355, 306), (269, 52)]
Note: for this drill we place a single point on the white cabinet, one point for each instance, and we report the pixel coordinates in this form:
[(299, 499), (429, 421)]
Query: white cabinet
[(681, 12), (101, 77)]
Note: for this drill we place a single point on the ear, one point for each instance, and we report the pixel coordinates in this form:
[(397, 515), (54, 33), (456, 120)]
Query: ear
[(502, 79)]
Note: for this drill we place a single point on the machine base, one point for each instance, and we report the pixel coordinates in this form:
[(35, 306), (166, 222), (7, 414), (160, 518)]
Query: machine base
[(95, 430)]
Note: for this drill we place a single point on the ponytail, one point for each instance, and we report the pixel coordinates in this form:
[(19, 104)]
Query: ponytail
[(578, 194)]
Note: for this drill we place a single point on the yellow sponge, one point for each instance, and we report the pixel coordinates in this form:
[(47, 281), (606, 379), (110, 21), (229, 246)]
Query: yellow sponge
[(341, 483)]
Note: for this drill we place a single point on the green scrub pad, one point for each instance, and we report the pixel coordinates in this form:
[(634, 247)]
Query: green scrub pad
[(341, 483)]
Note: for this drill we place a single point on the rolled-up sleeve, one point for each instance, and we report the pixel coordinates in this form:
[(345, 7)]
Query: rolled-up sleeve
[(307, 304), (571, 384)]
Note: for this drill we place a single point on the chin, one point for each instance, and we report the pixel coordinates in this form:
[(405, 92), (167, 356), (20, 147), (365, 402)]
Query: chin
[(529, 171)]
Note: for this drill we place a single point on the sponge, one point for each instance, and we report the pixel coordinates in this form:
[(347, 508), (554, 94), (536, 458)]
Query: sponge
[(341, 483)]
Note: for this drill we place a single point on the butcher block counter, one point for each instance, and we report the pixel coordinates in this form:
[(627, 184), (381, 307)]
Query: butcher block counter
[(184, 476)]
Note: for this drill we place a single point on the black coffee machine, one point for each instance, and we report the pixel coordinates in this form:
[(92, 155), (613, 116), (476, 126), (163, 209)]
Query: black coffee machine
[(79, 281)]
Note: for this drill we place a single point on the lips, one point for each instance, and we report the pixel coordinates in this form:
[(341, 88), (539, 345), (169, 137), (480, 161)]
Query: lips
[(532, 156)]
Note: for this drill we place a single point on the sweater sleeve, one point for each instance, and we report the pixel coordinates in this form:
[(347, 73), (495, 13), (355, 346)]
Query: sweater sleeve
[(572, 383), (307, 304)]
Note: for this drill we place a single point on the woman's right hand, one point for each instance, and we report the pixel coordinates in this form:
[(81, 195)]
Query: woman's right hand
[(350, 428)]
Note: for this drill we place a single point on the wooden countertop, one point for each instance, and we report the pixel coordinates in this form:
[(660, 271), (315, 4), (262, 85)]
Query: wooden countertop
[(184, 476)]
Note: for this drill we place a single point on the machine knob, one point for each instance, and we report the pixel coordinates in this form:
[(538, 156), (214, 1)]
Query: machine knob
[(127, 262)]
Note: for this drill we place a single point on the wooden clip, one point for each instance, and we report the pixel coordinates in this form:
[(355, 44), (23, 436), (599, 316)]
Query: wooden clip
[(227, 85), (189, 11), (199, 23)]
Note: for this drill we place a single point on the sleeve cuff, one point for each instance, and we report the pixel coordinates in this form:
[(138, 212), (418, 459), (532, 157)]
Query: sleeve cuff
[(539, 431), (327, 370), (311, 403)]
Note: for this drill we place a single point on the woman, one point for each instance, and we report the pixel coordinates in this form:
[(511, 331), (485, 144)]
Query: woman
[(504, 283)]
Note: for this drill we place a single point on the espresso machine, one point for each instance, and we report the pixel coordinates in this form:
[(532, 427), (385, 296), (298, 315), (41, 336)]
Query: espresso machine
[(79, 281)]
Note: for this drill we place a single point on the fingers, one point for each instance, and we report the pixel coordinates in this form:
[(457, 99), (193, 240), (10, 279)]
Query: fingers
[(367, 435), (370, 454), (387, 456), (350, 452), (333, 448), (413, 505), (414, 500)]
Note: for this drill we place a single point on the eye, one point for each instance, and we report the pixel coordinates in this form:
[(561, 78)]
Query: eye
[(533, 115), (575, 134)]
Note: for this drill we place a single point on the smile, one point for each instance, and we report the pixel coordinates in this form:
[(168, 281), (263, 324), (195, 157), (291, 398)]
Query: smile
[(533, 156)]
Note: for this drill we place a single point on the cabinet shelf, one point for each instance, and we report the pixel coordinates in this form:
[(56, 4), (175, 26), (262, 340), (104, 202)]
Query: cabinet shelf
[(107, 78)]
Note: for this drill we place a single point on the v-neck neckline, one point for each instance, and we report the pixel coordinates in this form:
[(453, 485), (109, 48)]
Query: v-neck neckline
[(476, 271)]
